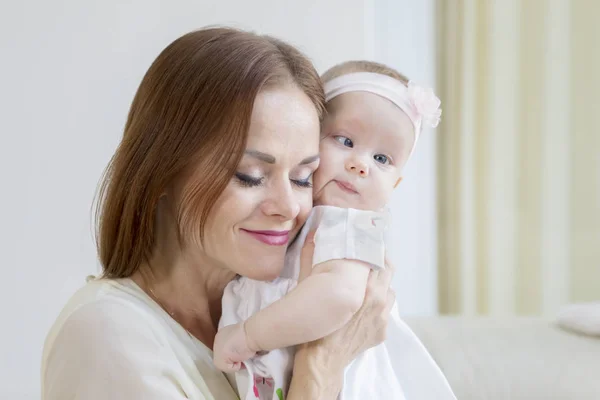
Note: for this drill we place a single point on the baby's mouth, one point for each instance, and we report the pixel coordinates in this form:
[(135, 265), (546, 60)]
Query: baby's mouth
[(346, 187)]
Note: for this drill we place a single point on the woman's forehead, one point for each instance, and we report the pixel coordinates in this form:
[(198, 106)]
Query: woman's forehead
[(284, 121)]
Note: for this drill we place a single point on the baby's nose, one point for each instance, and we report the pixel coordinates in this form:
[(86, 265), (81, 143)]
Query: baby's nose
[(358, 167)]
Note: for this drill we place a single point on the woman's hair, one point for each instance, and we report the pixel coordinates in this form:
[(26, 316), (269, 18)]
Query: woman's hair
[(192, 110), (350, 67)]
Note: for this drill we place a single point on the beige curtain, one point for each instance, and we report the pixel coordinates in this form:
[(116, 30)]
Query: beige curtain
[(519, 156)]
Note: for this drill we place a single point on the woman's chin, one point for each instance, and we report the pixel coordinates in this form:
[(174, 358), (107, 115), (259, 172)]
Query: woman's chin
[(266, 276), (264, 271)]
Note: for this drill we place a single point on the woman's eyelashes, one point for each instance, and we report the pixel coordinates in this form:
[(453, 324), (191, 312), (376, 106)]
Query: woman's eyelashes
[(303, 183), (247, 180), (250, 181)]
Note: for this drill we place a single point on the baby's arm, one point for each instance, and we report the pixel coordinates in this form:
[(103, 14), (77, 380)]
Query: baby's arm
[(322, 303)]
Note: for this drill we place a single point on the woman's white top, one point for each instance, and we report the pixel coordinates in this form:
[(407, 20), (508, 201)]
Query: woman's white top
[(112, 341)]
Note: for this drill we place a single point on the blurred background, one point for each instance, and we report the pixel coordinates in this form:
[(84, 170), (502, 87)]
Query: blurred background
[(499, 211), (518, 156)]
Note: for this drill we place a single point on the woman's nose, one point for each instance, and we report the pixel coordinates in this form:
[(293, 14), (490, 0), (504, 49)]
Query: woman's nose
[(282, 201), (356, 165)]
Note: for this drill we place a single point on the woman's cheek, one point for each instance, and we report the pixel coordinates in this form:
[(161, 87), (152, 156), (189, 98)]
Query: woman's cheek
[(306, 203)]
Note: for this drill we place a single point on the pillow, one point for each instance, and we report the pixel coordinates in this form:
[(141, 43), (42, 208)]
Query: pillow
[(582, 318)]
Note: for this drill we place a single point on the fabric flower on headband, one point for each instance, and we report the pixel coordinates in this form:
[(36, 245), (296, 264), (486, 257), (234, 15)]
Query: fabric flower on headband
[(426, 104)]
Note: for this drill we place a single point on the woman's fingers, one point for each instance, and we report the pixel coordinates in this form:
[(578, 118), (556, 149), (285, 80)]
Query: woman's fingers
[(384, 316), (373, 284), (389, 265), (391, 300), (378, 286), (385, 276), (306, 256)]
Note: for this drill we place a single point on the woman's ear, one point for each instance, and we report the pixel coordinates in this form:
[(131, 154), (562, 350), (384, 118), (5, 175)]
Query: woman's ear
[(398, 182)]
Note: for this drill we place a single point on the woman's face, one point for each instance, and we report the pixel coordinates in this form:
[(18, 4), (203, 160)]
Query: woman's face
[(269, 198)]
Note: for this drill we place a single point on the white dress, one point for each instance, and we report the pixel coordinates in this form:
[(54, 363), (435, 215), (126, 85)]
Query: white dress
[(112, 341), (400, 368)]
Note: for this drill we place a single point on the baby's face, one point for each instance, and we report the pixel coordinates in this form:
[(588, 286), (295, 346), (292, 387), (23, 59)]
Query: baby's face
[(365, 142)]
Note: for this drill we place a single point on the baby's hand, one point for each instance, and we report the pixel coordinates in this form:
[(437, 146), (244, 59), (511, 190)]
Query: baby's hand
[(231, 348)]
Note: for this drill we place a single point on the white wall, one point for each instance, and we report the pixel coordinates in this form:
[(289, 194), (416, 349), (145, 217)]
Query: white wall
[(69, 71), (405, 36)]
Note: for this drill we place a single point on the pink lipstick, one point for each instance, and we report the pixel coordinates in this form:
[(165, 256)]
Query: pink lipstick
[(272, 238)]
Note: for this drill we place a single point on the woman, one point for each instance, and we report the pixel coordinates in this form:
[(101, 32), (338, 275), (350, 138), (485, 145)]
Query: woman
[(212, 179)]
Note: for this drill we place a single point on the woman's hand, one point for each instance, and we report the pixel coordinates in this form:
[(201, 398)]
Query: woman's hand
[(324, 360), (368, 326)]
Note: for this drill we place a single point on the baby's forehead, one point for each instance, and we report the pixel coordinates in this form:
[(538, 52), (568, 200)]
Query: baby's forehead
[(367, 113)]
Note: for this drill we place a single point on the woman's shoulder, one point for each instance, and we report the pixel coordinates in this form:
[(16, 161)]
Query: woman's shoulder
[(114, 315), (110, 331), (103, 300), (101, 311)]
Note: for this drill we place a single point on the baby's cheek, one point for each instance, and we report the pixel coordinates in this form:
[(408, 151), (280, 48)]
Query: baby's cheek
[(382, 196), (318, 183), (329, 161), (376, 202), (322, 175)]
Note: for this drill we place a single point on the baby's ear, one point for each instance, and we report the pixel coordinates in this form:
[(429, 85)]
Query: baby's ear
[(398, 182)]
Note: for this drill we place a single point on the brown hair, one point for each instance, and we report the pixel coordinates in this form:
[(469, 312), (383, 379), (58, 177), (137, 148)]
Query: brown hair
[(350, 67), (193, 106)]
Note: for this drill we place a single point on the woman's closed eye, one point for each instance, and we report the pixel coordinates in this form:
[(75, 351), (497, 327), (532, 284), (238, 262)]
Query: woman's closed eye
[(247, 180), (250, 181), (344, 140), (303, 183)]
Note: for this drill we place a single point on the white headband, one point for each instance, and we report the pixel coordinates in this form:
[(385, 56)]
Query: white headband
[(420, 104)]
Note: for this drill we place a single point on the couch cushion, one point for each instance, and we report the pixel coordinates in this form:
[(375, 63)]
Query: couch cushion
[(512, 358)]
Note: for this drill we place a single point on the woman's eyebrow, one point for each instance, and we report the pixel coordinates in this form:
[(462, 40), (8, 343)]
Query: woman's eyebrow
[(309, 160), (269, 159)]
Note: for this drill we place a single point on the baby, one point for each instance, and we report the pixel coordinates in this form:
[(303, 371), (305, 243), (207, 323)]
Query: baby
[(371, 128)]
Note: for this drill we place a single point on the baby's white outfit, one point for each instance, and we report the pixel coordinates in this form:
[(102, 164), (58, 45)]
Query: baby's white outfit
[(400, 368)]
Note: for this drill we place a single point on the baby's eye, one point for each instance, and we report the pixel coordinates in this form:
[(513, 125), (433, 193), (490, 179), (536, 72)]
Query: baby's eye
[(381, 158), (344, 140)]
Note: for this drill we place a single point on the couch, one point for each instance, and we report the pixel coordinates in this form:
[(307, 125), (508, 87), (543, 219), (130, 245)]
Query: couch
[(512, 358)]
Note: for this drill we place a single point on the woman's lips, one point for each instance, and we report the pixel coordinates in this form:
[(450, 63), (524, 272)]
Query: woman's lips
[(272, 238), (346, 187)]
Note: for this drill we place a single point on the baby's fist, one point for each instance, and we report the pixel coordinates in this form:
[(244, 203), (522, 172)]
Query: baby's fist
[(231, 348)]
